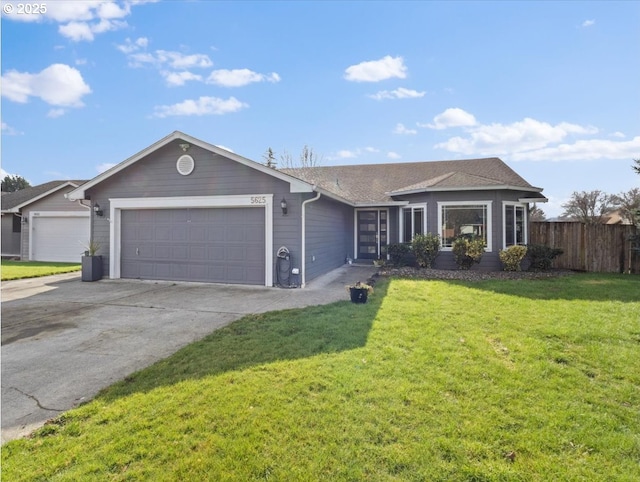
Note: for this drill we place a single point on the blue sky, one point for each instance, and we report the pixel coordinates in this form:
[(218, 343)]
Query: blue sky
[(549, 87)]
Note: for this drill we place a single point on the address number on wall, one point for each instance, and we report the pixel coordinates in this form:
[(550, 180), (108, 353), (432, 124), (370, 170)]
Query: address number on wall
[(258, 200)]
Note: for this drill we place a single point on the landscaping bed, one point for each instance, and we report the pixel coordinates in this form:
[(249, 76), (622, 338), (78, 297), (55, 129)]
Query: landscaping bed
[(468, 275)]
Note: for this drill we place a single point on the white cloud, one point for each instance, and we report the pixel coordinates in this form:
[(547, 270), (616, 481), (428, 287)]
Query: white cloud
[(105, 166), (346, 154), (8, 130), (132, 46), (161, 58), (53, 113), (498, 139), (58, 85), (401, 129), (239, 77), (400, 93), (453, 117), (533, 140), (201, 106), (177, 60), (376, 70), (79, 20), (393, 155), (583, 150), (588, 23), (179, 78), (76, 31), (353, 153), (175, 67)]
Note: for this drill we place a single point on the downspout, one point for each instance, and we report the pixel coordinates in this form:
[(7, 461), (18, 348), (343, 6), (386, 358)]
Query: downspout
[(303, 281)]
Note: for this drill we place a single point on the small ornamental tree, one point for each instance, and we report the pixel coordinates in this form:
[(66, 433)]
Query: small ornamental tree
[(542, 256), (467, 251), (426, 248), (512, 257)]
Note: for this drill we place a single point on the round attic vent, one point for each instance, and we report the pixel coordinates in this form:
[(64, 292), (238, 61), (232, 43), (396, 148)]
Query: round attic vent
[(185, 165)]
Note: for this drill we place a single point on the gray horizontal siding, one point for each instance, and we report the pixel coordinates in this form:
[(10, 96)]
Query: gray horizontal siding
[(10, 240), (329, 236)]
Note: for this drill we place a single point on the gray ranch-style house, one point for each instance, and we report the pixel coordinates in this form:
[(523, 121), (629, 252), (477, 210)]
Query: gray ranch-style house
[(40, 224), (184, 209)]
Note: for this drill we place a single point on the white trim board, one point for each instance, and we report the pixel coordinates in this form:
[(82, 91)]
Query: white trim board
[(264, 201)]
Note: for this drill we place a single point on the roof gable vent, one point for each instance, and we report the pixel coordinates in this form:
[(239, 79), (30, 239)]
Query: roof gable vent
[(185, 165)]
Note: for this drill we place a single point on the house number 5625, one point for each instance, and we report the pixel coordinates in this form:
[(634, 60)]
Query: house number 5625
[(258, 200)]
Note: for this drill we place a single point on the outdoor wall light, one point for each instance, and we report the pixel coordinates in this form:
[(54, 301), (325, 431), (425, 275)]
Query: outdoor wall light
[(283, 205), (185, 147), (97, 210)]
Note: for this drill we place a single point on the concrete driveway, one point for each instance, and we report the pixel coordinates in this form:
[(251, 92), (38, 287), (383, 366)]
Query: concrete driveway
[(63, 340)]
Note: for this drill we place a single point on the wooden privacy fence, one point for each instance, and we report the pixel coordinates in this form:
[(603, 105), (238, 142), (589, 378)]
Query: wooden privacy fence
[(604, 248)]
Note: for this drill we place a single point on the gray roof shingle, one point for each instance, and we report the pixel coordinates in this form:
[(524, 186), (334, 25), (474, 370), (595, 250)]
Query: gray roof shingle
[(12, 199), (377, 183)]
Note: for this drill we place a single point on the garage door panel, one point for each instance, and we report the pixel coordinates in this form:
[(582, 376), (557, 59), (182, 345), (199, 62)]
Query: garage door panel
[(224, 245), (197, 233), (180, 253), (215, 234), (254, 256), (163, 252), (198, 253), (146, 232)]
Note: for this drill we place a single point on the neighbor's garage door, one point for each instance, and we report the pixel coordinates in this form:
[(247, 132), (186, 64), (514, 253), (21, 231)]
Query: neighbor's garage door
[(220, 245), (59, 238)]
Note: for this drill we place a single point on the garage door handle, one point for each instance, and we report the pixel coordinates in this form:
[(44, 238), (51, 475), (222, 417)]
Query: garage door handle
[(137, 252)]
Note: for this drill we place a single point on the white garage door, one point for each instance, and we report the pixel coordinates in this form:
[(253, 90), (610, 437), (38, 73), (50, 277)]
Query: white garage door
[(59, 238)]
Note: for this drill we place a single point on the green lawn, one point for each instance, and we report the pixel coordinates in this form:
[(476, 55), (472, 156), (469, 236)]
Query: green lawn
[(33, 269), (535, 380)]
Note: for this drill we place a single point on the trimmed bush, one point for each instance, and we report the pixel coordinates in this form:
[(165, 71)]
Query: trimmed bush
[(426, 248), (467, 251), (512, 257), (542, 256), (398, 253)]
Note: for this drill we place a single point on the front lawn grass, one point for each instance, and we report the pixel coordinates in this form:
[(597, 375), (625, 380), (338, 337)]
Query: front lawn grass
[(33, 269), (530, 380)]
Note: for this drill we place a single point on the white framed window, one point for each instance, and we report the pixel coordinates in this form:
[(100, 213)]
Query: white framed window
[(514, 226), (413, 220), (458, 218)]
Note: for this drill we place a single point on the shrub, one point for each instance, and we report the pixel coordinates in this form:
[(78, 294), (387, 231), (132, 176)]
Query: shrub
[(426, 248), (467, 251), (542, 256), (398, 253), (512, 257)]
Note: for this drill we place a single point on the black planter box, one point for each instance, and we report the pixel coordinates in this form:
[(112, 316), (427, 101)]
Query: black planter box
[(91, 268), (359, 295)]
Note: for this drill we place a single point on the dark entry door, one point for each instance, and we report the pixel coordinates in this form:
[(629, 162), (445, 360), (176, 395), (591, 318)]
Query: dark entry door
[(372, 234)]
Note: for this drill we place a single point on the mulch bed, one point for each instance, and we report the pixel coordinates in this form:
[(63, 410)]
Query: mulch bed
[(468, 275)]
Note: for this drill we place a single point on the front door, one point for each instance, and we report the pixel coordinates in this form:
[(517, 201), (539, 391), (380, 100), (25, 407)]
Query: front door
[(372, 234)]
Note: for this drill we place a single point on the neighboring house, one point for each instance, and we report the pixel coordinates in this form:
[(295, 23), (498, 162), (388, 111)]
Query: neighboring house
[(184, 209), (616, 217), (40, 224)]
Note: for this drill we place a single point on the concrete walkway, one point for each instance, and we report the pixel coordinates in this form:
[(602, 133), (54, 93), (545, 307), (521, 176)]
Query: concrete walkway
[(63, 340)]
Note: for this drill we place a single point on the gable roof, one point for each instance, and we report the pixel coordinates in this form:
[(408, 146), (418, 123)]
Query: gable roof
[(297, 185), (380, 183), (12, 202)]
